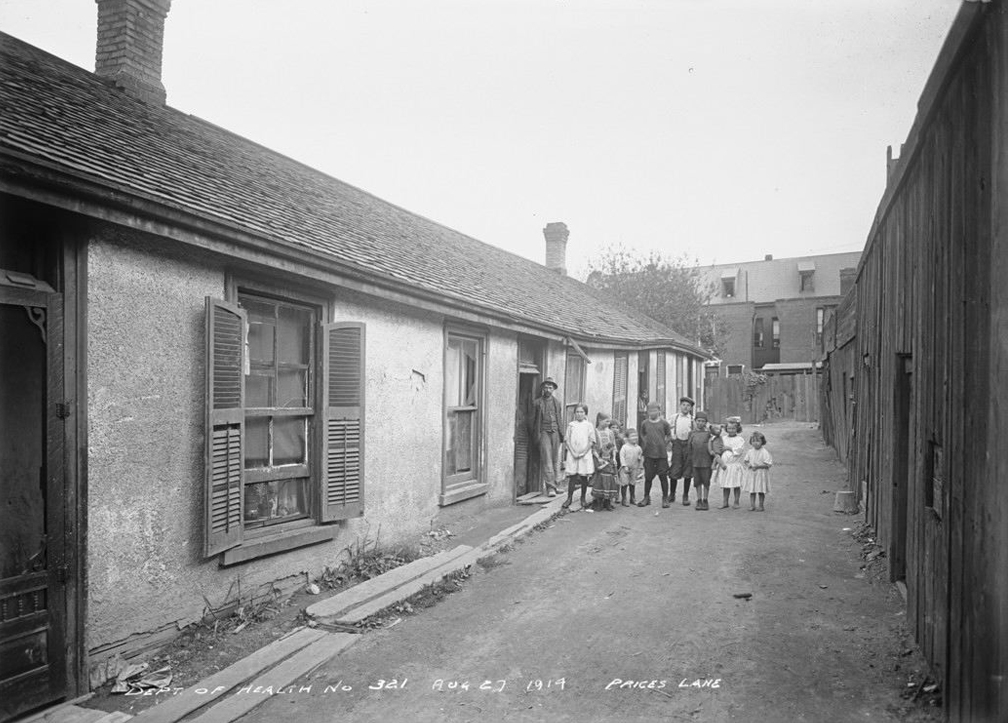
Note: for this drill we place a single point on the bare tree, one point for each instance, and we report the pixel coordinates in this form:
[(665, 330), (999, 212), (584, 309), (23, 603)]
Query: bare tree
[(672, 291)]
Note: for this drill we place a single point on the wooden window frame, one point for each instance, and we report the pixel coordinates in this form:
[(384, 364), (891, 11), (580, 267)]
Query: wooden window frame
[(775, 332), (758, 332), (728, 288), (463, 486)]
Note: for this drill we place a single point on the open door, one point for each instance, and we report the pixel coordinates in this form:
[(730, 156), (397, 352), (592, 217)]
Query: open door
[(526, 464), (33, 570)]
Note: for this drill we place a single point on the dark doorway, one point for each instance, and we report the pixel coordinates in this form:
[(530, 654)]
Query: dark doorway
[(531, 354), (33, 571), (903, 412)]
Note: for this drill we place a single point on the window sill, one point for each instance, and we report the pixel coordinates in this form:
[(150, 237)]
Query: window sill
[(279, 542), (463, 492)]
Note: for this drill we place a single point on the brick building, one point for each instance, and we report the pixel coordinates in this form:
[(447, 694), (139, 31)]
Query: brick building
[(774, 309)]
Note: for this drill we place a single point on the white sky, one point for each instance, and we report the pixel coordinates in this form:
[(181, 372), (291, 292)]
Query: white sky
[(724, 130)]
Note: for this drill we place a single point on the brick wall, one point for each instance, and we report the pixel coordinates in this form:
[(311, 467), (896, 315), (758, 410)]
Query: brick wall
[(738, 320)]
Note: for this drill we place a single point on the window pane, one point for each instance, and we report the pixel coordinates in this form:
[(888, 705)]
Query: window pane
[(450, 443), (461, 454), (469, 356), (262, 327), (295, 335), (265, 501), (453, 386), (289, 441), (259, 389), (256, 442), (293, 388)]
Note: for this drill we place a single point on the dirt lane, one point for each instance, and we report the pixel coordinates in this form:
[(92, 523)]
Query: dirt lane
[(639, 596)]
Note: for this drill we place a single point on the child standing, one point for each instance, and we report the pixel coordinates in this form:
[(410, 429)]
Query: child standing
[(716, 448), (579, 442), (631, 467), (604, 487), (757, 462), (700, 459), (655, 434), (732, 470)]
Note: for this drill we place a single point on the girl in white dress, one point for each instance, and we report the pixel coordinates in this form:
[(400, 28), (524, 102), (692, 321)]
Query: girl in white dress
[(732, 470), (579, 442), (757, 462)]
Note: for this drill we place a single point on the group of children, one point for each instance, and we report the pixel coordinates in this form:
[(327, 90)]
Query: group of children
[(614, 463)]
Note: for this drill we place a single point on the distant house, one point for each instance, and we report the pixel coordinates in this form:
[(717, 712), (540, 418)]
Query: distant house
[(220, 366), (774, 310)]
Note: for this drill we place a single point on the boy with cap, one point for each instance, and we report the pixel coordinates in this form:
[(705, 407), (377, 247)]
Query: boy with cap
[(654, 438), (700, 459), (679, 465), (547, 431)]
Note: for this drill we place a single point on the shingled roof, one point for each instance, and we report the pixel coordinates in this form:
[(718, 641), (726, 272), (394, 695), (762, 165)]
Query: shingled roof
[(69, 120)]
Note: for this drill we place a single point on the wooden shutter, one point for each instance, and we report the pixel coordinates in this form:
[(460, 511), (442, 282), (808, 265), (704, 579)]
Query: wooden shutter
[(342, 487), (660, 396), (620, 370), (225, 425)]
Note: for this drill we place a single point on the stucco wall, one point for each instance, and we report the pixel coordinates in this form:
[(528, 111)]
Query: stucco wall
[(599, 383), (146, 416)]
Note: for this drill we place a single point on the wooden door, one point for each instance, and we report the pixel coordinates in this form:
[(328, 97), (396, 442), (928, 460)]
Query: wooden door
[(526, 462), (903, 404), (33, 569)]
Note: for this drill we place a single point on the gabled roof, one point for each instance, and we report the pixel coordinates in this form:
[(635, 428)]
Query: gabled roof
[(66, 119)]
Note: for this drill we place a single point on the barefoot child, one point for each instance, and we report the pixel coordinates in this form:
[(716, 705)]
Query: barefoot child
[(700, 459), (604, 488), (757, 462), (655, 434), (631, 467), (579, 441), (732, 470)]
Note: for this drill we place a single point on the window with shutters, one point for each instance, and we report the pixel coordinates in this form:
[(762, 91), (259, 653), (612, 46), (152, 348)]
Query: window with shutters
[(284, 421)]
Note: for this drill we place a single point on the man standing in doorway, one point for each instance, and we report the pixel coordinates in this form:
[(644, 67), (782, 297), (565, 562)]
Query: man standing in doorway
[(547, 430), (679, 465)]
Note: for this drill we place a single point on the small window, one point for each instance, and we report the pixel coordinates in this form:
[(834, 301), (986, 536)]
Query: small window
[(758, 334), (728, 288), (574, 377), (807, 280), (775, 332), (735, 369), (464, 383), (820, 313)]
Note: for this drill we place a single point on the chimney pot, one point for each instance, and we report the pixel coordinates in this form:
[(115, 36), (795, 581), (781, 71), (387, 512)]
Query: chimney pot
[(556, 234), (768, 257), (130, 42)]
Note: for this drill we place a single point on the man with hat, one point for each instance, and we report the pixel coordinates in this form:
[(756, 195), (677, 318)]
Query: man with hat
[(547, 431), (679, 465)]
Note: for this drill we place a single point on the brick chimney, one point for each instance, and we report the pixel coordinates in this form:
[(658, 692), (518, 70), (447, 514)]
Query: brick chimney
[(130, 39), (556, 234)]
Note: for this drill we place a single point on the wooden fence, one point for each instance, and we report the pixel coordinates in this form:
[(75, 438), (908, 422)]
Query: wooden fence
[(780, 396), (917, 393)]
